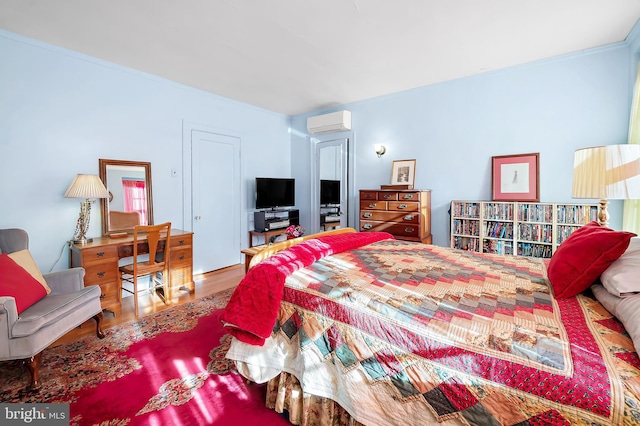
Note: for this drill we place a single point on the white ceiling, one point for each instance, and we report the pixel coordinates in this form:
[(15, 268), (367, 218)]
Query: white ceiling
[(295, 56)]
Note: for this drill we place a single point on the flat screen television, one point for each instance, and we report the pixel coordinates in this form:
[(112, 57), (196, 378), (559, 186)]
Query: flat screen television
[(275, 192), (329, 192)]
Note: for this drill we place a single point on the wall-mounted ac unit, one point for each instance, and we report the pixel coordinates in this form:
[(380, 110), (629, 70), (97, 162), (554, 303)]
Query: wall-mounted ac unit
[(332, 122)]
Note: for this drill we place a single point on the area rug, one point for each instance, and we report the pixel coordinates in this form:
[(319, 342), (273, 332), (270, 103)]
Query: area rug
[(164, 369)]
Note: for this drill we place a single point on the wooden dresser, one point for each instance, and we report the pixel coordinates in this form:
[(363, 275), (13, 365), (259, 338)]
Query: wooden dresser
[(100, 259), (404, 213)]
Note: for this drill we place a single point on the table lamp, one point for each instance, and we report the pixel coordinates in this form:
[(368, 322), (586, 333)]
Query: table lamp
[(610, 172), (88, 187)]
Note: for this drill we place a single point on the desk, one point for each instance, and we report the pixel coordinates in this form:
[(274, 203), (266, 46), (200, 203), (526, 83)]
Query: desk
[(100, 259)]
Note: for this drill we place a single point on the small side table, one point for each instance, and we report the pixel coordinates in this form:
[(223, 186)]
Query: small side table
[(249, 253)]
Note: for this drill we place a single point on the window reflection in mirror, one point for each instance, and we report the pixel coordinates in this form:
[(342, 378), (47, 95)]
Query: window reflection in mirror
[(130, 199)]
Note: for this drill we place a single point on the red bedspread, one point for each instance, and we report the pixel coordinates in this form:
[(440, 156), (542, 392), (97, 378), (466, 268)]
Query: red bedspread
[(253, 307)]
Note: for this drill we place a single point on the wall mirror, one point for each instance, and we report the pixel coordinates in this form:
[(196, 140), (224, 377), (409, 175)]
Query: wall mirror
[(130, 199), (331, 164)]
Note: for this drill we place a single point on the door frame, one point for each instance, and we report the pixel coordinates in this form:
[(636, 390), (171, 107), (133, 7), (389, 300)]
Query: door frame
[(350, 171), (187, 174)]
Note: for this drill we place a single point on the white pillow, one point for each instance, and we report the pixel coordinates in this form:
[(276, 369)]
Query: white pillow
[(622, 277), (625, 309)]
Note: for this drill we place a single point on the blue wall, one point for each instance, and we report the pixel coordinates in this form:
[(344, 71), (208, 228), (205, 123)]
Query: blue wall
[(61, 111), (453, 129)]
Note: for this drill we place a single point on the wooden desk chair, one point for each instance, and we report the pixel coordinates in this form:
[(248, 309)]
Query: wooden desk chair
[(154, 241)]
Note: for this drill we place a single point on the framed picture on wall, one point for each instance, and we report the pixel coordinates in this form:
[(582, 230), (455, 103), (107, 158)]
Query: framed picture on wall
[(515, 177), (403, 172)]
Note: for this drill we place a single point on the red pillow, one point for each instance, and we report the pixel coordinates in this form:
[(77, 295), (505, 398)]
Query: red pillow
[(581, 258), (16, 282)]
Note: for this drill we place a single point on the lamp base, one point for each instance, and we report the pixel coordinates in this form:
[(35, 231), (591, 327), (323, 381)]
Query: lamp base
[(83, 241), (603, 214)]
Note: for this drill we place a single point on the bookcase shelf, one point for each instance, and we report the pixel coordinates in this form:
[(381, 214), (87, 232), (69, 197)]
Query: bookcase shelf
[(521, 228)]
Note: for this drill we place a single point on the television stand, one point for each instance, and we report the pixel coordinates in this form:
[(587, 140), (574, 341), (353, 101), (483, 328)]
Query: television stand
[(271, 221)]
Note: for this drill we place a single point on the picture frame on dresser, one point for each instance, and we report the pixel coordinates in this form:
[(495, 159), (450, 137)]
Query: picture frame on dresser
[(403, 172), (515, 177)]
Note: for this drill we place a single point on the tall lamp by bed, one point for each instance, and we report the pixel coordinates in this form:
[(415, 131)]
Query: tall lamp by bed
[(610, 172)]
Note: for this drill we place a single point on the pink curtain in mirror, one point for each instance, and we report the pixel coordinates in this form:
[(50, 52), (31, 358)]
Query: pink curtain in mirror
[(135, 198)]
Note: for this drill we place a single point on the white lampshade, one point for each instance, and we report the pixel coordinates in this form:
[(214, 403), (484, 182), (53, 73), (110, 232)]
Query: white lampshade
[(607, 172), (86, 186)]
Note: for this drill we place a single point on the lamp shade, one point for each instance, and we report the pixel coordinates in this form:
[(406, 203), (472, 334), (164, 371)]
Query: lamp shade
[(86, 186), (607, 172)]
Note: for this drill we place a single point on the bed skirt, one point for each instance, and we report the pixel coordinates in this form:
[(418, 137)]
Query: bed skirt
[(285, 394)]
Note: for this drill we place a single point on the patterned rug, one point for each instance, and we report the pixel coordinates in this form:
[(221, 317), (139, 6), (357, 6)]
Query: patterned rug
[(166, 368)]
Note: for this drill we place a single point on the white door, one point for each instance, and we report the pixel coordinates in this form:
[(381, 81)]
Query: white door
[(216, 196)]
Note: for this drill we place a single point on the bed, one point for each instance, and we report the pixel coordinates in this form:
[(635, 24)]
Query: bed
[(359, 328)]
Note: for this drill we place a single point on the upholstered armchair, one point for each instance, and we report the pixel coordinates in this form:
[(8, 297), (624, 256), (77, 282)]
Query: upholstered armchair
[(32, 318)]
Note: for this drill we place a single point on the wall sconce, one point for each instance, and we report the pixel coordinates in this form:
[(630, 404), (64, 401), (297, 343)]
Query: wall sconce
[(380, 150)]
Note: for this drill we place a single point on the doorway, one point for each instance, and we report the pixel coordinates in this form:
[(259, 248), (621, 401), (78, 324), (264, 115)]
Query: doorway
[(212, 198)]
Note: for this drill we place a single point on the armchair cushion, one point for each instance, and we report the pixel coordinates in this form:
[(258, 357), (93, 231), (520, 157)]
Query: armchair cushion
[(54, 309), (24, 259), (16, 282)]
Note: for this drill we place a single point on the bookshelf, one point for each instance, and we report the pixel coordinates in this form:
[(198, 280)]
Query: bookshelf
[(511, 227)]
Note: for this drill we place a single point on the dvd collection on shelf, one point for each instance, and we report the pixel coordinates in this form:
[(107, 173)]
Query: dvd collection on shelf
[(536, 229)]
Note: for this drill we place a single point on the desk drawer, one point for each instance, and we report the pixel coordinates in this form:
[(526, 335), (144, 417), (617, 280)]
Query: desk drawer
[(181, 276), (181, 241), (102, 254), (181, 257), (101, 273)]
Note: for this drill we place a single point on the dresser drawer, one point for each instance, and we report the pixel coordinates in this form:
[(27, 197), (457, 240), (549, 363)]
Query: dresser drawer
[(387, 196), (397, 229), (373, 205), (386, 216), (368, 195), (409, 196), (404, 206)]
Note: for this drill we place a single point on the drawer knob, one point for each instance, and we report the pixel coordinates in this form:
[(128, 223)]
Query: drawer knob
[(408, 196), (181, 242), (181, 257), (100, 254), (367, 215), (367, 226), (387, 196), (372, 205), (409, 217), (102, 296), (402, 206), (407, 229), (100, 274)]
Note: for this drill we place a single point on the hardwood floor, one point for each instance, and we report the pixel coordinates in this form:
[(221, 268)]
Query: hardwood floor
[(206, 284)]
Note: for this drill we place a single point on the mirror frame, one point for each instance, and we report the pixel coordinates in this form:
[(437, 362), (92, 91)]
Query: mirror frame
[(104, 202)]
